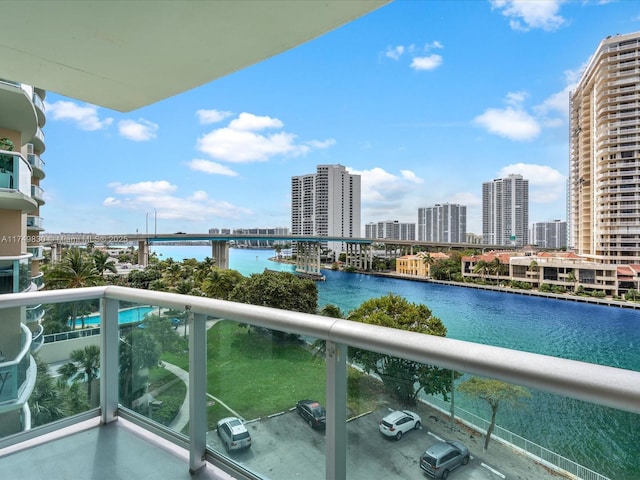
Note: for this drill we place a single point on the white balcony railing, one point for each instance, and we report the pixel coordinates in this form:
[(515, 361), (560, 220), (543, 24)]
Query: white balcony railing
[(598, 384)]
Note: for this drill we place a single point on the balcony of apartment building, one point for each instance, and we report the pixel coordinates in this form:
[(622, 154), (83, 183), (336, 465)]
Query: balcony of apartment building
[(37, 164), (17, 371), (15, 273), (115, 437), (35, 222), (15, 182)]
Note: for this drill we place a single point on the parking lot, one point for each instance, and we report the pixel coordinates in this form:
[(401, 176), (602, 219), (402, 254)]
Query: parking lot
[(285, 447)]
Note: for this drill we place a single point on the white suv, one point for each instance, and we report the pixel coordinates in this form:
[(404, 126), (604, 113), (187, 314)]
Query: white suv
[(234, 434), (398, 423)]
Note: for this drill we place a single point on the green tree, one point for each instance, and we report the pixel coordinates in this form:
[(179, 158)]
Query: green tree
[(76, 269), (46, 401), (84, 361), (220, 283), (103, 262), (493, 392), (281, 290), (482, 267), (403, 378), (138, 352)]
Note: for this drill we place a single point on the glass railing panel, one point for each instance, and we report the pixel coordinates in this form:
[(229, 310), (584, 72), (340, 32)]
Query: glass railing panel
[(35, 161), (34, 222), (266, 398), (154, 364), (8, 278), (24, 274), (67, 382), (387, 399)]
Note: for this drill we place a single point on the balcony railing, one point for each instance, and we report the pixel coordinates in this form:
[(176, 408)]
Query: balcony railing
[(602, 385), (13, 371)]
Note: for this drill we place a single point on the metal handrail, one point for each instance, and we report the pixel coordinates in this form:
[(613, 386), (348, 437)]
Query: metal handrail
[(609, 386)]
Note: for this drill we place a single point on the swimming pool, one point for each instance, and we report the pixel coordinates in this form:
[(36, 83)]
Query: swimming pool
[(126, 315)]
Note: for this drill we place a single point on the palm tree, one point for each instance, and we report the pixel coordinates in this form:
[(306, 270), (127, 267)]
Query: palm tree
[(481, 267), (428, 261), (86, 361), (75, 270), (103, 262)]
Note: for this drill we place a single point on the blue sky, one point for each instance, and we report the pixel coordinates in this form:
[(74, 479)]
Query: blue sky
[(425, 99)]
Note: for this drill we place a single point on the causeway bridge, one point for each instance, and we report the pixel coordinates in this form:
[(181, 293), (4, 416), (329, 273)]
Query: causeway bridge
[(359, 251)]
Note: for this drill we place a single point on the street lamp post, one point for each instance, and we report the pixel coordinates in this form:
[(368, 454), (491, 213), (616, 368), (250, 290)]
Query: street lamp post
[(146, 223)]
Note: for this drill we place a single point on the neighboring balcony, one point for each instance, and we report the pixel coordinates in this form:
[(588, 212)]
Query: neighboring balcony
[(35, 223), (38, 141), (17, 374), (129, 414), (40, 109), (37, 164), (15, 274), (37, 193), (37, 252), (15, 183)]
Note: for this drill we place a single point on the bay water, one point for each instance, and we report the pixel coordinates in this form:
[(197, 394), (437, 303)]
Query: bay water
[(603, 439)]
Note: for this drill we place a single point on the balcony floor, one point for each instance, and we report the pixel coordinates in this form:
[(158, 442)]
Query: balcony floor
[(117, 451)]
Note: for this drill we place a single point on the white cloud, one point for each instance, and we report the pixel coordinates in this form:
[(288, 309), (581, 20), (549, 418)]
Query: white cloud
[(558, 103), (546, 185), (85, 116), (381, 189), (511, 123), (249, 122), (525, 15), (394, 52), (213, 168), (138, 131), (242, 141), (196, 207), (466, 198), (143, 188), (212, 116), (426, 63), (419, 59)]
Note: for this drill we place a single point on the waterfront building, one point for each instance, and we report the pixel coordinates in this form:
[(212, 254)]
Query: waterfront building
[(443, 223), (505, 211), (418, 265), (473, 238), (259, 243), (390, 230), (604, 158), (326, 204), (549, 234), (22, 117)]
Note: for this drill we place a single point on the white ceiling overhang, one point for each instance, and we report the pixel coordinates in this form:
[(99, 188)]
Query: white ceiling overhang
[(124, 55)]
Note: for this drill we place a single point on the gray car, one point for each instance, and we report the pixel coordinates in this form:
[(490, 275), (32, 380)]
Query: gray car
[(439, 459)]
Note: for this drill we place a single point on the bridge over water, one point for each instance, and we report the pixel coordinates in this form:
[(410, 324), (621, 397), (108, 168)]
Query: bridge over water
[(359, 251)]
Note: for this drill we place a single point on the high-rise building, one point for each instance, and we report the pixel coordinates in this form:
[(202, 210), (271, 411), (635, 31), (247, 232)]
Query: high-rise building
[(505, 211), (326, 204), (22, 115), (604, 159), (445, 222), (390, 230), (549, 234)]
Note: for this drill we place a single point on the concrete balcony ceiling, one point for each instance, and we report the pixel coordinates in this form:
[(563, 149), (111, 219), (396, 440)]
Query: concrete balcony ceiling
[(125, 55), (17, 112)]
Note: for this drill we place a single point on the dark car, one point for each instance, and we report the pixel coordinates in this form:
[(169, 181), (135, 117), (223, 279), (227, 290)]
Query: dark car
[(439, 459), (313, 413)]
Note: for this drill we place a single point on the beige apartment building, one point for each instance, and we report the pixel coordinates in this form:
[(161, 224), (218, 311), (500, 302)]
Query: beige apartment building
[(604, 163), (22, 116)]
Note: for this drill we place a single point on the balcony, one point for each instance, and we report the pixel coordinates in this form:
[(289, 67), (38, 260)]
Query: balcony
[(37, 164), (17, 374), (40, 109), (15, 180), (37, 193), (15, 274), (38, 141), (34, 223), (110, 426)]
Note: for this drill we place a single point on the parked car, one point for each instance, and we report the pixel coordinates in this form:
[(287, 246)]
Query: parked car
[(439, 459), (233, 434), (314, 413), (399, 422)]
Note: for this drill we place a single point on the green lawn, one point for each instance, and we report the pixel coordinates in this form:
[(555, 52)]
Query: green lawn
[(255, 375)]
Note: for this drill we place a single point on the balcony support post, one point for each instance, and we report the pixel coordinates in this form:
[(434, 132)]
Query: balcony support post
[(336, 434), (109, 359), (197, 391)]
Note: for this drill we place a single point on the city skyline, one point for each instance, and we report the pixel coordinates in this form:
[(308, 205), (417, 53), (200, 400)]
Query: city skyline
[(389, 96)]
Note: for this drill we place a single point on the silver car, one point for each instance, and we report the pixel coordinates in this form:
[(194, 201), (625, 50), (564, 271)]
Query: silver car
[(439, 459)]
